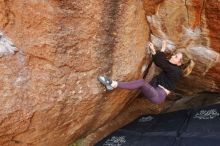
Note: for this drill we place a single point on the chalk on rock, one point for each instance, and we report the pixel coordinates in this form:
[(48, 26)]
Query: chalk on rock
[(6, 46), (149, 19), (189, 32), (157, 41)]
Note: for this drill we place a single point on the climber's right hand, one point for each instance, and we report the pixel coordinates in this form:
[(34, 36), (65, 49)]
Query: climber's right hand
[(152, 49), (164, 46)]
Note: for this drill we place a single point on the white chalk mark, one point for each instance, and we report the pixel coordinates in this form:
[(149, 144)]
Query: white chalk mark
[(205, 55), (6, 46), (157, 41), (189, 32)]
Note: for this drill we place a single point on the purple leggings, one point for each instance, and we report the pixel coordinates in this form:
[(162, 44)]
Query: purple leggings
[(154, 94)]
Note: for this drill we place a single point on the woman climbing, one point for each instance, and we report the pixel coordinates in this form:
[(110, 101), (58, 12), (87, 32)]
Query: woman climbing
[(161, 85)]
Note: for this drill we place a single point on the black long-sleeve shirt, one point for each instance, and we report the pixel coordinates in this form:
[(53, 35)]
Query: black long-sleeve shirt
[(169, 76)]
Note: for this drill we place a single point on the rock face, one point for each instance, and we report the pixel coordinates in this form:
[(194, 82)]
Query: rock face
[(49, 92), (193, 25), (48, 87)]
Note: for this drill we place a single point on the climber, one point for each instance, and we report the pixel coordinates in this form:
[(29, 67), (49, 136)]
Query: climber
[(180, 64)]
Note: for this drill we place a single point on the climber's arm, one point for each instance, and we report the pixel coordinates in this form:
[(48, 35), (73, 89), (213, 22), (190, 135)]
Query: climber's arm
[(160, 60), (164, 46), (152, 49)]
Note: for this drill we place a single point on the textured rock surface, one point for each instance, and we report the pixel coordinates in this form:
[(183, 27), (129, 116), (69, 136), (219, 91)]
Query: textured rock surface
[(193, 25), (49, 93)]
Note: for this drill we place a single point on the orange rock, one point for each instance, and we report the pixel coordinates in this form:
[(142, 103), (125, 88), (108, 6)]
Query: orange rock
[(193, 25), (49, 92)]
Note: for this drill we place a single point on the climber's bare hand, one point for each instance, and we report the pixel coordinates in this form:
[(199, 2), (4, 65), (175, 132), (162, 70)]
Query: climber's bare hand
[(164, 46), (152, 49)]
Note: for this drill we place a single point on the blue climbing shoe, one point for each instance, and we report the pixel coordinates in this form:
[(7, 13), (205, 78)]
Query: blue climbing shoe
[(106, 82)]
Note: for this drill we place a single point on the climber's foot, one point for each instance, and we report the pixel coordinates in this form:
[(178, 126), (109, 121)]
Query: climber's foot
[(106, 82)]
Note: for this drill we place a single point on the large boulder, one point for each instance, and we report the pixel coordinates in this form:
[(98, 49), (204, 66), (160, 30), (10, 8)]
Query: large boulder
[(193, 25), (49, 92), (51, 53)]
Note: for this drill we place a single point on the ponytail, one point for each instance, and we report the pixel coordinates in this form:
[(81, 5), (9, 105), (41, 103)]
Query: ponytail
[(188, 67), (187, 62)]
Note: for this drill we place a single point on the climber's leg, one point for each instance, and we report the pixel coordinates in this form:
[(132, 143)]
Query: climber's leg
[(154, 94), (132, 84)]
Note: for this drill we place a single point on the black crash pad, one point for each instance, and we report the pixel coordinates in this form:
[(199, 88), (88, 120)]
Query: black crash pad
[(192, 127), (163, 124), (204, 122), (199, 141)]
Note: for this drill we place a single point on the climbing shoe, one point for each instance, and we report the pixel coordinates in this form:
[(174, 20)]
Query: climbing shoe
[(106, 82)]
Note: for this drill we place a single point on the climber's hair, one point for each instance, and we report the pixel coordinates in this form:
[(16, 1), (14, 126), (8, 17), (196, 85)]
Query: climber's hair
[(187, 64)]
